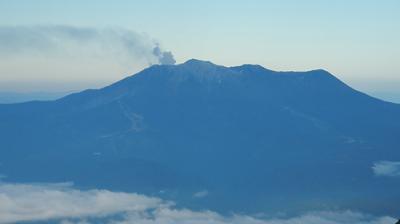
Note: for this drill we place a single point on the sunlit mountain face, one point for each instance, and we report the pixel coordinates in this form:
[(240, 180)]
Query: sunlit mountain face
[(267, 146)]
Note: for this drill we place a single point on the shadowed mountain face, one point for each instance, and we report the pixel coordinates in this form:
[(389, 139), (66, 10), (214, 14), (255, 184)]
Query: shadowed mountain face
[(240, 138), (16, 97)]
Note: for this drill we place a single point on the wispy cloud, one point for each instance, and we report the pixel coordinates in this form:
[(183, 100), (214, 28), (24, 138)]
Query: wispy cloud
[(386, 168), (64, 204), (200, 194)]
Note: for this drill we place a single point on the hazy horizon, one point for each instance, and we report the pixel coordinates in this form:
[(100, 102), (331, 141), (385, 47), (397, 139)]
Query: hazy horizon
[(41, 90)]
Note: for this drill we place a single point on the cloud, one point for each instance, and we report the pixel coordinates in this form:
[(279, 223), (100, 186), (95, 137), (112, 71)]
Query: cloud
[(200, 194), (120, 43), (22, 202), (169, 216), (64, 204), (386, 168)]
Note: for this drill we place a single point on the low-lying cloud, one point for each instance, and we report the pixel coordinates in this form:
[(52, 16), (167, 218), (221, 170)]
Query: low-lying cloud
[(387, 168), (64, 204), (22, 202)]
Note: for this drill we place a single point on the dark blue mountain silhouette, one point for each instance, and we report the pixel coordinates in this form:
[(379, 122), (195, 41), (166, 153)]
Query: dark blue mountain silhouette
[(254, 139)]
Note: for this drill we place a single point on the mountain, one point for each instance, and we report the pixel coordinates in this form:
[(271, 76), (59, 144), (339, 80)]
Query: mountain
[(19, 97), (241, 138)]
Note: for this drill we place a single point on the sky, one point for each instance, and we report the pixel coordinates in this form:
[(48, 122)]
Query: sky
[(52, 45)]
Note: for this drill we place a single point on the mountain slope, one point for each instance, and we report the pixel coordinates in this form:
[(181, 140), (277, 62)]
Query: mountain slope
[(252, 138)]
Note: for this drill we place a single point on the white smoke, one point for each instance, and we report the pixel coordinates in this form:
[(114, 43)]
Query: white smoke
[(61, 39)]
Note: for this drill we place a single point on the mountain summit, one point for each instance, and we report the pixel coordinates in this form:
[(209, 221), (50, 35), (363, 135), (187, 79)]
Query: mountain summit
[(250, 137)]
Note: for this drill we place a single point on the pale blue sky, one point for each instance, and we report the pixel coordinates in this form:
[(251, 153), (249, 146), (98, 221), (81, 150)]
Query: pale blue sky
[(358, 41)]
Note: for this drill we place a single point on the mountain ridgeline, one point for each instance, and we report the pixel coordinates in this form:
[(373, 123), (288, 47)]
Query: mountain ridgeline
[(250, 139)]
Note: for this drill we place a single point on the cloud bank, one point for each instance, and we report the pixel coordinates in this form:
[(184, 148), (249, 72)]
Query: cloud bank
[(386, 168), (21, 202), (66, 205)]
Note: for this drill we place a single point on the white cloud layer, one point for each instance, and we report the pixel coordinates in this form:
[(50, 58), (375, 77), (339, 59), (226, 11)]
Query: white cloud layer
[(66, 205), (386, 168), (21, 202)]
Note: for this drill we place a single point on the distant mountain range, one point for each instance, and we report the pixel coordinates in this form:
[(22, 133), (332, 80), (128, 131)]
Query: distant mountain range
[(241, 138), (20, 97)]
